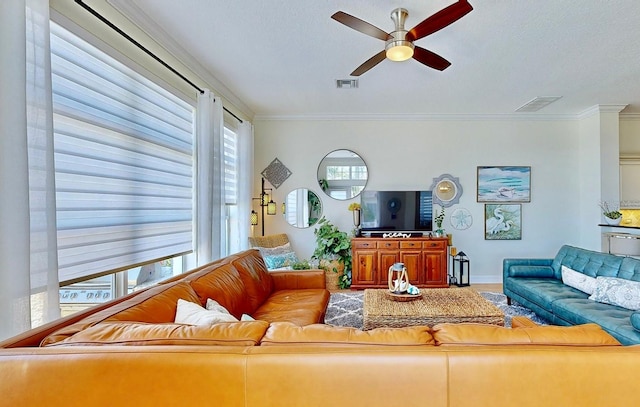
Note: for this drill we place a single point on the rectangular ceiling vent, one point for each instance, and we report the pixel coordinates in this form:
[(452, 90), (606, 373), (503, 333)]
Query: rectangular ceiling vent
[(537, 103), (346, 83)]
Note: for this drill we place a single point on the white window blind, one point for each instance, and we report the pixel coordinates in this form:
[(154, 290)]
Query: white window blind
[(230, 167), (124, 163)]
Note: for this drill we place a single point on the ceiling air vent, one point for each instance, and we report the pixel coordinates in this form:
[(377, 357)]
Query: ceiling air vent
[(537, 103), (346, 83)]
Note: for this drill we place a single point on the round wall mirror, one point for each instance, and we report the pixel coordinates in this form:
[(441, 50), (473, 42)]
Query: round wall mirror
[(342, 174), (446, 190), (302, 208)]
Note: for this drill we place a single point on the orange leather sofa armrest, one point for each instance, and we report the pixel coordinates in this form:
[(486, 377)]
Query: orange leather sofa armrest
[(485, 334), (286, 333), (522, 322), (298, 279)]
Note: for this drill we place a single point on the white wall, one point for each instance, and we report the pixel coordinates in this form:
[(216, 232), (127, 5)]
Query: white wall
[(409, 154), (630, 134)]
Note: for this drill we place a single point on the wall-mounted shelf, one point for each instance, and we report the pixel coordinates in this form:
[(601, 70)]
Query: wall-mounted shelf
[(619, 226)]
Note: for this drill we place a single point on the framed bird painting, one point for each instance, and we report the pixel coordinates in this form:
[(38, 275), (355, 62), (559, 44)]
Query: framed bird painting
[(502, 221)]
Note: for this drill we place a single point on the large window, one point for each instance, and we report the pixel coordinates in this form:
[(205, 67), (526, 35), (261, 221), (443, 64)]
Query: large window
[(124, 163), (231, 190)]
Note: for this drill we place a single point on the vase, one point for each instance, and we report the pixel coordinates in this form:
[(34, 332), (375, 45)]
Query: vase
[(613, 222), (356, 218)]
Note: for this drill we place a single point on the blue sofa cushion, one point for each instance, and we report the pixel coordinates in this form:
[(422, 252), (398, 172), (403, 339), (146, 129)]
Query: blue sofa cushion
[(589, 262), (635, 320), (543, 291), (531, 271), (629, 269), (615, 320)]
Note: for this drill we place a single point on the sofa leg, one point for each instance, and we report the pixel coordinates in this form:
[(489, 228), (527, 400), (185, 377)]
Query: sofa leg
[(508, 301)]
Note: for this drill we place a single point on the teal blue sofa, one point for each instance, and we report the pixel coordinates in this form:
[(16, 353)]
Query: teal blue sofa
[(537, 284)]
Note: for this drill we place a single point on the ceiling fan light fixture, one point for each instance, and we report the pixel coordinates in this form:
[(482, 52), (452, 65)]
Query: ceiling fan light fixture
[(399, 50)]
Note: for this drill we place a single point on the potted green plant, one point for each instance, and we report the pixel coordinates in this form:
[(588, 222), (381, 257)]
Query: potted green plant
[(333, 250), (301, 265), (612, 214), (438, 221)]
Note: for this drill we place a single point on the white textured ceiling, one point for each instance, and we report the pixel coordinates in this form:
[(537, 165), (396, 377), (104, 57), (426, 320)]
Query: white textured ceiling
[(282, 58)]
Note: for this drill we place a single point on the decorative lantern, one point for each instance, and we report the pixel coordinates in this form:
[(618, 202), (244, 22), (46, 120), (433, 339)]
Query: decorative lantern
[(398, 278), (460, 270)]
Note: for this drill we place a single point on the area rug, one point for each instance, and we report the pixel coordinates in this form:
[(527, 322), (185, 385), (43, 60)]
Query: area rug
[(345, 309)]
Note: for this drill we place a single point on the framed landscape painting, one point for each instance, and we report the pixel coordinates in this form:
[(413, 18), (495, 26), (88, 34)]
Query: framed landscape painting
[(504, 184), (502, 221)]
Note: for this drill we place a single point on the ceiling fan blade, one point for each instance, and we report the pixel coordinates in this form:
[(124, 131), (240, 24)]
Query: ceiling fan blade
[(360, 25), (430, 59), (369, 63), (439, 20)]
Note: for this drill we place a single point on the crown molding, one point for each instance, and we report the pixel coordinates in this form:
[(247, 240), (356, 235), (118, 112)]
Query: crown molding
[(138, 17), (630, 116), (417, 117), (598, 109)]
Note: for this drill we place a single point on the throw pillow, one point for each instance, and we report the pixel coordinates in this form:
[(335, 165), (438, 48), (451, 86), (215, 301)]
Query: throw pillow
[(280, 260), (577, 280), (191, 313), (270, 251), (617, 291), (213, 305), (246, 317)]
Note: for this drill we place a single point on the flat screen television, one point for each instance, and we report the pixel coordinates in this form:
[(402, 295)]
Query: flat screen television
[(396, 211)]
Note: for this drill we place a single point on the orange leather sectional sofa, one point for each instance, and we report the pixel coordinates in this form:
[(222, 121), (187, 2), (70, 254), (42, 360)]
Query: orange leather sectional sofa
[(129, 352)]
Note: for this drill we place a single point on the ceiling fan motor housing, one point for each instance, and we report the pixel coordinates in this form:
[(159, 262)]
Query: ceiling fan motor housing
[(397, 47)]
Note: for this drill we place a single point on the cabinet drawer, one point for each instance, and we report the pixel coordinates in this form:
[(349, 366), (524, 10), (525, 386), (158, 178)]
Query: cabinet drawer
[(388, 245), (410, 244), (364, 245), (434, 244)]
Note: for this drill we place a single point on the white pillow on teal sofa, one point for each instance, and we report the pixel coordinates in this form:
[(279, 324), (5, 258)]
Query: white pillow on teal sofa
[(577, 280), (617, 291)]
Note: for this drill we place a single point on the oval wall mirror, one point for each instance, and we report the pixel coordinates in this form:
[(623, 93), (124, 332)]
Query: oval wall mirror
[(446, 190), (342, 174), (302, 208)]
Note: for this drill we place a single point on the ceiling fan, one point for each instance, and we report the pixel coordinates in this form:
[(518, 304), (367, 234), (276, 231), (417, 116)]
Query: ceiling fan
[(399, 43)]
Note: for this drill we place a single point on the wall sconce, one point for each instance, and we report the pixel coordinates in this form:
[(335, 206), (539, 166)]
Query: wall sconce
[(265, 202), (271, 208)]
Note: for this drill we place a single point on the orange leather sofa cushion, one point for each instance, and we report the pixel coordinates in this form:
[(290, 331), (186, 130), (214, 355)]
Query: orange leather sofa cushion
[(258, 283), (155, 305), (301, 307), (137, 333), (481, 334), (286, 333), (223, 284)]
